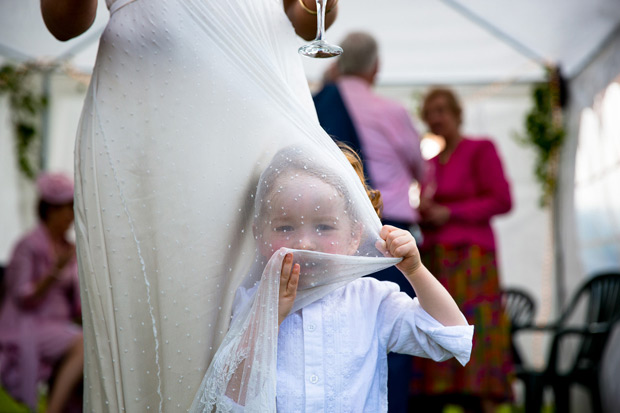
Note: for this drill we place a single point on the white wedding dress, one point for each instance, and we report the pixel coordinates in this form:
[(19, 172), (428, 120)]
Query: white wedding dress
[(188, 104)]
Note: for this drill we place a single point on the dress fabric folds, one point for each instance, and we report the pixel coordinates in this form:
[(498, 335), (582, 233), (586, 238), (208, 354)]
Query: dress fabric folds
[(188, 104)]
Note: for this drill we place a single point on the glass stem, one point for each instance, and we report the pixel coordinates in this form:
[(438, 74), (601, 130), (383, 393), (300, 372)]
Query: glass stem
[(320, 16)]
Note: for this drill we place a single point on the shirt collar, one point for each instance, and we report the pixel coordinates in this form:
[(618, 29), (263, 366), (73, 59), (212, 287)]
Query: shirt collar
[(354, 82)]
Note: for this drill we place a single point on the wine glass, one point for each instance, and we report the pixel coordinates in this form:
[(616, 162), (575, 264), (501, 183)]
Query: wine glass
[(319, 48)]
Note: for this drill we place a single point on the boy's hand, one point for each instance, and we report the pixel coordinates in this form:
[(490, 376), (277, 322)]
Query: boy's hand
[(289, 278), (401, 244)]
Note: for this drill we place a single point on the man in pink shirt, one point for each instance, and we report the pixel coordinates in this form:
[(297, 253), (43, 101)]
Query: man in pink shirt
[(390, 149), (388, 142)]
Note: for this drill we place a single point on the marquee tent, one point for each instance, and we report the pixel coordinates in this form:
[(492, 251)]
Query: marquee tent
[(491, 51), (424, 41)]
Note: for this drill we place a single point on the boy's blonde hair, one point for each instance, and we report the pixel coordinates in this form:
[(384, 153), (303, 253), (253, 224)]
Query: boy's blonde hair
[(356, 162)]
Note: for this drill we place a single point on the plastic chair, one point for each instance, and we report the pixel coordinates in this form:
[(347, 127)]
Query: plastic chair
[(599, 298), (521, 309)]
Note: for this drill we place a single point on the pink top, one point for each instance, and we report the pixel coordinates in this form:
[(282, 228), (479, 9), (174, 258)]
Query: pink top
[(35, 334), (473, 185), (390, 144)]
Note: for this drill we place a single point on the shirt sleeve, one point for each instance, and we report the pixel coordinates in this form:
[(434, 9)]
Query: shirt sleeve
[(19, 276), (409, 144), (243, 297), (409, 329), (493, 191)]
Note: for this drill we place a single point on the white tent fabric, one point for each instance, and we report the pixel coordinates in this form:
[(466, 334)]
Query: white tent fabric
[(422, 42), (430, 41), (24, 37), (597, 172), (586, 89), (597, 205), (593, 163)]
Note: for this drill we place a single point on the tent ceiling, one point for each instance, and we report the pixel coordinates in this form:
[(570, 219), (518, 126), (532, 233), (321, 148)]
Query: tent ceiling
[(24, 37), (422, 41), (431, 41)]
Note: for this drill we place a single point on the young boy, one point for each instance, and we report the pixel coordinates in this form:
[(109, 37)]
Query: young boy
[(331, 347)]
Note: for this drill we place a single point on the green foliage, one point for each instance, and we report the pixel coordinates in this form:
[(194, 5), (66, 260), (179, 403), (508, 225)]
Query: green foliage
[(545, 133), (9, 405), (26, 107)]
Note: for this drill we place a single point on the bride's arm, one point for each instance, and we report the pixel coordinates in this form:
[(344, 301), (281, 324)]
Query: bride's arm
[(67, 19), (304, 22)]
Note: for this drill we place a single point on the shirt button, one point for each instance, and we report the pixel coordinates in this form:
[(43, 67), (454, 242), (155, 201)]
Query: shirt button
[(311, 327), (314, 379)]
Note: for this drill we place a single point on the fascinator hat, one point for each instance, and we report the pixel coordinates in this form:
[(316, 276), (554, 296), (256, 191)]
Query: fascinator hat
[(55, 188)]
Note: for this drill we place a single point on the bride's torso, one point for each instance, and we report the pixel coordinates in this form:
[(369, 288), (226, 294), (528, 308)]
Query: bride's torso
[(184, 47)]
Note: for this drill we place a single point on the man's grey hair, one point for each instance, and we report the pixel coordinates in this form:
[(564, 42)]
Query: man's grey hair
[(360, 53)]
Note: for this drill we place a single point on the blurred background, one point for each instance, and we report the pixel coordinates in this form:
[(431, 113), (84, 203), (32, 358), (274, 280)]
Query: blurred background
[(564, 226)]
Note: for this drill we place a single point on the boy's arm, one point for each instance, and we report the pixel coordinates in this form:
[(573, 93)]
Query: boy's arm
[(433, 297)]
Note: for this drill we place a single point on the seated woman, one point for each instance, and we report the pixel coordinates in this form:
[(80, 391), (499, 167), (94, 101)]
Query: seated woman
[(38, 335)]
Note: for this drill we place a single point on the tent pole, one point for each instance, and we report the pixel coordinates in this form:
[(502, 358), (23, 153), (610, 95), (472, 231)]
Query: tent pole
[(14, 54), (45, 120), (86, 41), (581, 66), (495, 31), (558, 257)]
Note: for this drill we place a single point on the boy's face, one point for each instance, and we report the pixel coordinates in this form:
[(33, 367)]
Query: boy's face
[(306, 213)]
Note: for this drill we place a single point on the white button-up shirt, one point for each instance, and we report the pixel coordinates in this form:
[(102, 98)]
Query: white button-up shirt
[(332, 354)]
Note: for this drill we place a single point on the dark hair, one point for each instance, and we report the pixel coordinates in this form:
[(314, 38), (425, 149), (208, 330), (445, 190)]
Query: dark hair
[(453, 102), (44, 208)]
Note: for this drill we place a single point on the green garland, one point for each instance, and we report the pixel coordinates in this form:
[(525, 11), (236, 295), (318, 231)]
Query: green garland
[(544, 131), (26, 107)]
